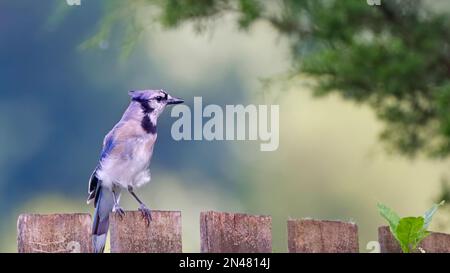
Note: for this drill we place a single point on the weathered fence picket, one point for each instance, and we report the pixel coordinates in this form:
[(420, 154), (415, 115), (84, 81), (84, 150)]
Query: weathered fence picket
[(436, 242), (314, 236), (131, 234), (235, 233), (54, 233)]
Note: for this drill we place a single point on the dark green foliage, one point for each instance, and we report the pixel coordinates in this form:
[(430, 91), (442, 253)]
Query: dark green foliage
[(394, 57), (176, 12)]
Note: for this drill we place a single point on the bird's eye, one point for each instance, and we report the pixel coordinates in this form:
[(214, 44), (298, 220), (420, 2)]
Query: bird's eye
[(159, 98)]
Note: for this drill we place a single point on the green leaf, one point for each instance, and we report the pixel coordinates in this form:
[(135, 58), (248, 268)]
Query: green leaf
[(390, 216), (429, 214), (410, 232), (423, 234)]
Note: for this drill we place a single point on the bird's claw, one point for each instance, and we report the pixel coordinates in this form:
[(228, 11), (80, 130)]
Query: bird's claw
[(146, 213), (119, 211)]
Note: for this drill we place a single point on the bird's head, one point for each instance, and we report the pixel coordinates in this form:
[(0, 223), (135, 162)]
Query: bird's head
[(153, 102)]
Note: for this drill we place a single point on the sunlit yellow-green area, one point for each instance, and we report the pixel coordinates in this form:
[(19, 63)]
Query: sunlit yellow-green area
[(330, 163)]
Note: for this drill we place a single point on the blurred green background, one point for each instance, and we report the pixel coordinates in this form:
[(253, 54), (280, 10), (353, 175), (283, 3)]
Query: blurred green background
[(364, 95)]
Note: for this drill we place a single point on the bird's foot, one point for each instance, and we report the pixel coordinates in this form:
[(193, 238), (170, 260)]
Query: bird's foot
[(146, 213), (118, 210)]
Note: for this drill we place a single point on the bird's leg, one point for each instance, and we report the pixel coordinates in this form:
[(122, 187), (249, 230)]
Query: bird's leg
[(146, 212), (116, 208)]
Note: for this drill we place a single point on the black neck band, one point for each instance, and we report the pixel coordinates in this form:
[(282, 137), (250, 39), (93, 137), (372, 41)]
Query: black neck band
[(148, 125)]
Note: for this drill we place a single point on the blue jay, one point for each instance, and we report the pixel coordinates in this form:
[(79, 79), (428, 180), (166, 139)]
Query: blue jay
[(125, 159)]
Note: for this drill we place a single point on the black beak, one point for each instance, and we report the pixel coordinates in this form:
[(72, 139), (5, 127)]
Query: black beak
[(172, 100)]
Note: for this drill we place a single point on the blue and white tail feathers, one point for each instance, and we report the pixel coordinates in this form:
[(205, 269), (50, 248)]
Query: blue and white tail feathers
[(104, 203)]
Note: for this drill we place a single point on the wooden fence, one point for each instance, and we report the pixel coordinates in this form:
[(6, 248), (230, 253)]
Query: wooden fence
[(219, 232)]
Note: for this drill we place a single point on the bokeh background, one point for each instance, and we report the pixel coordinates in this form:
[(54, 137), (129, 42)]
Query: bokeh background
[(64, 76)]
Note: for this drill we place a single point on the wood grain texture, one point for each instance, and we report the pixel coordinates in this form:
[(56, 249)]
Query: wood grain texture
[(315, 236), (435, 242), (54, 233), (222, 232), (131, 234)]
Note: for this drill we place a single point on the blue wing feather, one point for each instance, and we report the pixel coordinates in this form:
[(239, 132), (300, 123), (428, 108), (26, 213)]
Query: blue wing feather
[(107, 148), (93, 181)]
